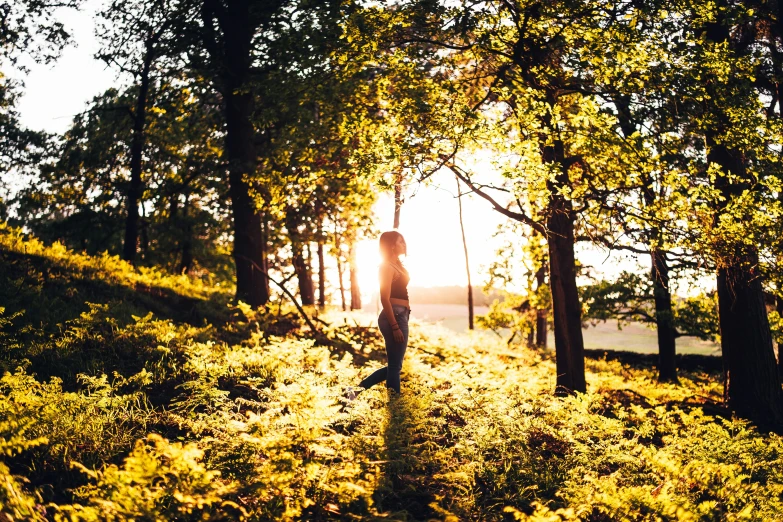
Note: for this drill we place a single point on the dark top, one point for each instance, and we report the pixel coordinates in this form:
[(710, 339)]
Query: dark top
[(399, 284)]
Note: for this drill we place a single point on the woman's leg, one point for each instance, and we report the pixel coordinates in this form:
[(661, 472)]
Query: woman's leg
[(374, 378), (395, 352)]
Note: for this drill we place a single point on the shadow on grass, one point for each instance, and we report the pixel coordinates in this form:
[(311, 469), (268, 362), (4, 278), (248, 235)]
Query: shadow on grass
[(411, 487), (64, 320), (51, 294), (688, 362)]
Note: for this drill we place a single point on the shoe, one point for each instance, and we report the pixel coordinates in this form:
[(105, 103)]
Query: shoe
[(349, 394)]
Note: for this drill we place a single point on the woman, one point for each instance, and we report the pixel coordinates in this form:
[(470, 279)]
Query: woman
[(393, 321)]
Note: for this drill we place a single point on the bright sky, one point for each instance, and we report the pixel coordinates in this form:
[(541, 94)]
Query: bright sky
[(53, 94), (429, 218)]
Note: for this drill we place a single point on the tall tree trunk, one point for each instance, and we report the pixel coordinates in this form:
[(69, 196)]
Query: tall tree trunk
[(752, 385), (340, 267), (779, 308), (232, 52), (467, 262), (186, 243), (751, 382), (397, 199), (659, 272), (136, 186), (356, 294), (144, 243), (309, 269), (321, 273), (302, 274), (567, 310), (541, 326), (664, 318)]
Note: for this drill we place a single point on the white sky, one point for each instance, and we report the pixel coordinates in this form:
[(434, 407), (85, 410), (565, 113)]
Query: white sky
[(53, 94)]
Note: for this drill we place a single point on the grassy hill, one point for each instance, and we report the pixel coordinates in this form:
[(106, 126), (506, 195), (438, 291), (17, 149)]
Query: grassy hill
[(133, 395)]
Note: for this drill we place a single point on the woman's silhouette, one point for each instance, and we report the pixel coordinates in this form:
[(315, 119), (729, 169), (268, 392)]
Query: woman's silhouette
[(393, 320)]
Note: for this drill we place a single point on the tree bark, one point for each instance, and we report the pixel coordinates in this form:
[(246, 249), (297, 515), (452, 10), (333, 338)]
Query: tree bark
[(779, 308), (664, 318), (321, 273), (467, 261), (541, 326), (136, 186), (186, 244), (752, 385), (567, 310), (340, 267), (302, 274), (397, 199), (232, 55), (356, 294)]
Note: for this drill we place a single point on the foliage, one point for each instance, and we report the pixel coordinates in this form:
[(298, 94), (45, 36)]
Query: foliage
[(629, 298), (520, 268), (255, 427), (31, 27)]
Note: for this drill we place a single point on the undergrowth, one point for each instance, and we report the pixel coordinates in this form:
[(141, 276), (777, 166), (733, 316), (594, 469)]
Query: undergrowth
[(110, 410)]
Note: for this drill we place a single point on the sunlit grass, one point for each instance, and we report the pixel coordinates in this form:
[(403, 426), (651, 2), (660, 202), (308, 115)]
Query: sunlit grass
[(152, 418)]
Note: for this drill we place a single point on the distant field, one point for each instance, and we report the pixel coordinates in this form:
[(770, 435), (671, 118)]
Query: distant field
[(604, 336)]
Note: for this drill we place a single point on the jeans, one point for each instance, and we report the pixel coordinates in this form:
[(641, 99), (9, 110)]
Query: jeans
[(395, 351)]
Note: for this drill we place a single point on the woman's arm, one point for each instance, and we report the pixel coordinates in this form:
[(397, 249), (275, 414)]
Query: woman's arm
[(386, 274)]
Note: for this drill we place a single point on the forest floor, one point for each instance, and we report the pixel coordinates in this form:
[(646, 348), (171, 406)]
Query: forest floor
[(133, 395)]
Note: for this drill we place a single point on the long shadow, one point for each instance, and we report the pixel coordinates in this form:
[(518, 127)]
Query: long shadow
[(711, 364), (409, 488)]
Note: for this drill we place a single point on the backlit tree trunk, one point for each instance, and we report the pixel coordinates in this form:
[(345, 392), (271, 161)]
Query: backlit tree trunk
[(751, 380), (541, 326), (231, 52), (752, 385), (302, 274), (664, 318), (467, 262), (566, 308), (356, 294), (136, 185), (779, 308), (186, 243), (321, 274), (397, 199), (340, 266)]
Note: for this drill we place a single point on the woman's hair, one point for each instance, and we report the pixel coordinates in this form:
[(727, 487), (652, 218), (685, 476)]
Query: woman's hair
[(388, 243)]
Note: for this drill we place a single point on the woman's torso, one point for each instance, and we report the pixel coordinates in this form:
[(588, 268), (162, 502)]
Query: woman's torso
[(399, 285)]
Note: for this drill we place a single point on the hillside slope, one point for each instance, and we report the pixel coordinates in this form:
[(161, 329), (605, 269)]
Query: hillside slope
[(138, 396)]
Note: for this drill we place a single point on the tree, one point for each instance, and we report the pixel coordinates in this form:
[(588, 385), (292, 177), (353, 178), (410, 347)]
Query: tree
[(467, 262), (753, 386), (522, 51), (260, 57), (77, 199), (134, 35), (520, 269), (29, 29)]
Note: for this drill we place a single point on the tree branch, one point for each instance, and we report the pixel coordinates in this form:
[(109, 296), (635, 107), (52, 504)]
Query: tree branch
[(517, 216)]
